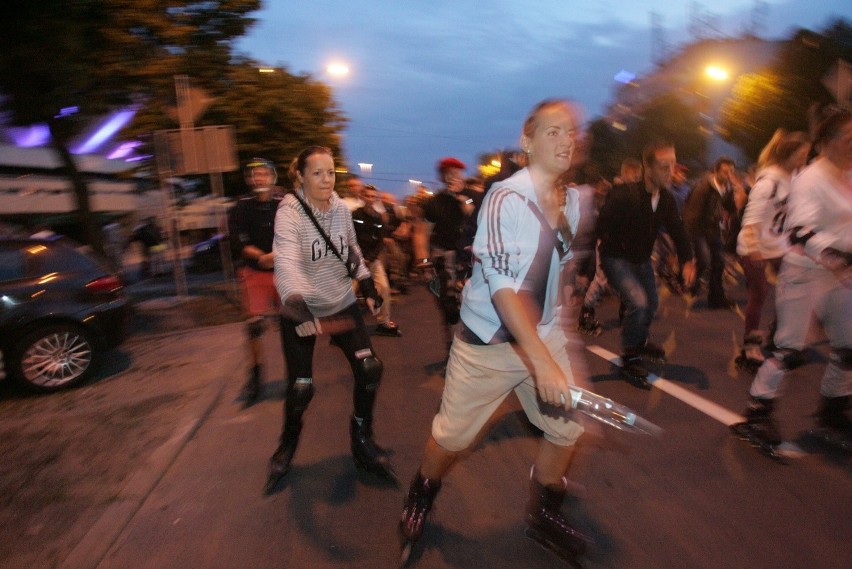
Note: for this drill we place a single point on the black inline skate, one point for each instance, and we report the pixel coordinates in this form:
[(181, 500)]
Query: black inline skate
[(634, 371), (587, 324), (759, 429), (368, 456), (279, 464), (546, 525), (416, 507)]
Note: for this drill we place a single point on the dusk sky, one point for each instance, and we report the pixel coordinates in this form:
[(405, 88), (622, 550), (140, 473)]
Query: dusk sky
[(439, 78)]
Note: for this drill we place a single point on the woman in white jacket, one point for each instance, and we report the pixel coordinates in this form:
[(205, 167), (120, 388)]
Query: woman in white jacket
[(762, 241), (815, 281)]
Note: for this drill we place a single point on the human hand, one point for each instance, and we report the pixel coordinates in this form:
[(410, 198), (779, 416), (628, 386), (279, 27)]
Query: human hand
[(266, 261), (371, 304), (551, 385), (309, 328), (688, 273)]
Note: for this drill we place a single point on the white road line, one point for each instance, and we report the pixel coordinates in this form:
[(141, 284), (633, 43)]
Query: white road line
[(709, 408)]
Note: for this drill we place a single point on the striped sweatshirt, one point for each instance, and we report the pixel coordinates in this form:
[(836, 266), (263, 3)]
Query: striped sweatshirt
[(515, 248), (305, 265)]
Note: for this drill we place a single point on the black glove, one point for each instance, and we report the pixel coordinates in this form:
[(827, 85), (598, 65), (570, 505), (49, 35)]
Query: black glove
[(368, 289)]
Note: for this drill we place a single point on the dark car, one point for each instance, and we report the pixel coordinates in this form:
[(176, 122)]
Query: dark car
[(207, 255), (60, 308)]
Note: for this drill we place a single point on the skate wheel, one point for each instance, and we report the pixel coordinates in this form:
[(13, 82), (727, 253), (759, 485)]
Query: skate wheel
[(405, 553)]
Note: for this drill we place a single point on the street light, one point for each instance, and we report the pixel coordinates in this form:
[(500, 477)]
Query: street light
[(337, 69), (716, 73)]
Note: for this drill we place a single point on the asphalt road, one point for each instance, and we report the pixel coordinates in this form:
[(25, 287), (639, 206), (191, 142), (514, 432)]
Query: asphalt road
[(693, 498)]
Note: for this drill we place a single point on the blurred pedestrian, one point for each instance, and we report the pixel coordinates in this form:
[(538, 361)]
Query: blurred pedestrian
[(706, 215), (762, 241), (148, 234), (352, 191), (815, 281), (371, 228), (115, 243), (251, 225), (442, 242), (627, 227), (316, 257)]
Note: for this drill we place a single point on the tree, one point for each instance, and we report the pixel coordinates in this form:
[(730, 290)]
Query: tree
[(669, 118), (606, 147), (781, 96), (276, 114), (665, 117), (98, 55)]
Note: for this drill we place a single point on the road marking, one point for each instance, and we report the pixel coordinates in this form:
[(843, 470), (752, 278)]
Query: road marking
[(707, 407)]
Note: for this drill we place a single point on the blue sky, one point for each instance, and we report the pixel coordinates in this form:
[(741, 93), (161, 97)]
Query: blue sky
[(437, 78)]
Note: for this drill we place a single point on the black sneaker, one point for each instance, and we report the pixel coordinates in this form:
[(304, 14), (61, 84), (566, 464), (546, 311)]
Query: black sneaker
[(388, 329)]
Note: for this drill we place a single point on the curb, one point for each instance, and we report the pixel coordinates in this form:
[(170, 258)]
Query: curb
[(103, 535)]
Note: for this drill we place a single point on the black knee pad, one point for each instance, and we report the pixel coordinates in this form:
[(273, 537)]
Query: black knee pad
[(299, 394), (255, 327), (842, 358), (368, 372), (790, 359)]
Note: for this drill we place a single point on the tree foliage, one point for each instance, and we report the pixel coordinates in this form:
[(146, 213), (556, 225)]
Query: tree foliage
[(665, 117), (275, 114), (97, 55), (781, 96)]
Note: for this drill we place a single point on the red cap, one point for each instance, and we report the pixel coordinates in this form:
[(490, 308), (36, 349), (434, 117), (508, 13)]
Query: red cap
[(450, 162)]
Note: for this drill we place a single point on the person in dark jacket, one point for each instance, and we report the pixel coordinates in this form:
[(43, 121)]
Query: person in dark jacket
[(627, 226), (708, 213), (440, 239), (251, 225), (371, 228)]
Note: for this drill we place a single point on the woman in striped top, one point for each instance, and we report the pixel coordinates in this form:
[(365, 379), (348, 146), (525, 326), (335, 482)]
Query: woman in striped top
[(315, 285)]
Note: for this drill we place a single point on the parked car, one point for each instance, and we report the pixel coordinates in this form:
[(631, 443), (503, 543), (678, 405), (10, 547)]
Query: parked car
[(60, 309), (206, 255)]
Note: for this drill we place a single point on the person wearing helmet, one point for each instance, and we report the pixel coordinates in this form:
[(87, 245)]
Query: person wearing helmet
[(441, 242), (251, 225)]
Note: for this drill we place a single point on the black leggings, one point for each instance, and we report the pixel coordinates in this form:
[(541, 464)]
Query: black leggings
[(355, 344)]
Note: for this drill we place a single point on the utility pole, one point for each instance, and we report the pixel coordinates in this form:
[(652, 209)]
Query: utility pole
[(190, 150)]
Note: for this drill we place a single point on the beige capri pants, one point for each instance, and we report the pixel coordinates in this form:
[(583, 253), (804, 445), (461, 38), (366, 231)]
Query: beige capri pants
[(479, 378)]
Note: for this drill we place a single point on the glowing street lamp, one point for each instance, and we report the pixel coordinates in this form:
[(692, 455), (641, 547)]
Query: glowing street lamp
[(337, 69), (716, 73)]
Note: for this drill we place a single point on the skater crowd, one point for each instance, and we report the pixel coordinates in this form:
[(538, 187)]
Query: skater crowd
[(507, 259)]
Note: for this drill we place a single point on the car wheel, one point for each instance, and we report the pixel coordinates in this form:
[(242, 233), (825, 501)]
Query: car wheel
[(54, 357)]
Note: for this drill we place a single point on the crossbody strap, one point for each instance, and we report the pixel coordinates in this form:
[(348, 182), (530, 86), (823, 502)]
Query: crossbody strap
[(325, 236), (558, 245)]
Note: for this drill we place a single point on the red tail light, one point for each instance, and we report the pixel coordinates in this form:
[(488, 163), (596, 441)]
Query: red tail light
[(106, 284)]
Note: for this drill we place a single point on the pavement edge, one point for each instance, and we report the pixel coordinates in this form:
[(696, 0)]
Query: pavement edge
[(103, 535)]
